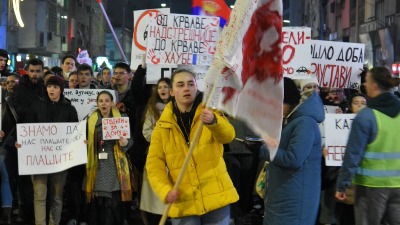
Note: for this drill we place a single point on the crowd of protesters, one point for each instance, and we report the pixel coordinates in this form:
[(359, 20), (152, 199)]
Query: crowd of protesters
[(217, 187)]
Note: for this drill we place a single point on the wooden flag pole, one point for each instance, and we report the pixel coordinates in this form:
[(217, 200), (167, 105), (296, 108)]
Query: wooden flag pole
[(183, 169), (187, 158)]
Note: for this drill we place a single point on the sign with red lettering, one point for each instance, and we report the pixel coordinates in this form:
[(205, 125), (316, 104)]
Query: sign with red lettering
[(141, 32), (337, 64), (296, 42), (175, 39), (116, 127), (50, 147), (84, 100), (337, 130)]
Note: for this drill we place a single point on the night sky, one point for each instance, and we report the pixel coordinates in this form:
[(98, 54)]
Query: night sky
[(115, 9)]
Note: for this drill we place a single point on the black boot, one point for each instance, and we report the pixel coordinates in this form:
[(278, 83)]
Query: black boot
[(6, 216)]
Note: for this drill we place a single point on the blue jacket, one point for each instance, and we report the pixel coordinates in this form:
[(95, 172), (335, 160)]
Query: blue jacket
[(294, 176), (363, 131)]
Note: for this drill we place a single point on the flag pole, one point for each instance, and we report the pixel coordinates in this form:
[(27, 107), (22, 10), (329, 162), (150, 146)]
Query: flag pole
[(187, 160), (112, 30)]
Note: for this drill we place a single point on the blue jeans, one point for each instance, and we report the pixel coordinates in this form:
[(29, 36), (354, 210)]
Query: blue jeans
[(6, 196), (219, 216)]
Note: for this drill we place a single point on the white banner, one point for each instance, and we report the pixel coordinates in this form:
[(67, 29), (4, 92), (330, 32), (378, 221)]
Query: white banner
[(175, 39), (155, 72), (337, 130), (116, 127), (50, 147), (337, 64), (330, 108), (84, 100), (296, 44), (140, 33)]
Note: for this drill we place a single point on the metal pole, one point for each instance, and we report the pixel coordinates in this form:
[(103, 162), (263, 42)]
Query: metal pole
[(357, 22), (90, 27), (112, 30)]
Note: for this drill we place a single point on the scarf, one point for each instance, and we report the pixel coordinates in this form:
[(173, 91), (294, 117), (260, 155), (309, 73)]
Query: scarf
[(121, 161)]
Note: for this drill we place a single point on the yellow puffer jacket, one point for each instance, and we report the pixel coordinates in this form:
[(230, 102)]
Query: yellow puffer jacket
[(206, 185)]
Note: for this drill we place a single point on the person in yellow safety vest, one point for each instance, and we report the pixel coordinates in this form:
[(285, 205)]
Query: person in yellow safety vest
[(372, 157)]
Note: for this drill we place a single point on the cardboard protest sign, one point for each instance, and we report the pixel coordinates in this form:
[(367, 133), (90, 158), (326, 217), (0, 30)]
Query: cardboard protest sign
[(330, 108), (155, 72), (337, 64), (50, 147), (141, 31), (337, 130), (84, 100), (116, 127), (296, 44), (175, 39)]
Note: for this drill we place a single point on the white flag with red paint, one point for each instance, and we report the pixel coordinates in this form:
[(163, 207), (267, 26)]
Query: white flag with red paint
[(245, 77)]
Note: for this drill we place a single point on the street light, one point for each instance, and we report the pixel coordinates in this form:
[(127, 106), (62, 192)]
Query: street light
[(18, 13)]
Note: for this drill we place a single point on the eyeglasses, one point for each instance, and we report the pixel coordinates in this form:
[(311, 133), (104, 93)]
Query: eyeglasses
[(119, 73)]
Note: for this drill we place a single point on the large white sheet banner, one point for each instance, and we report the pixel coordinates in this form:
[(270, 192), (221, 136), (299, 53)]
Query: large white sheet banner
[(337, 64), (50, 147), (296, 44), (141, 31), (84, 100), (337, 130), (175, 39)]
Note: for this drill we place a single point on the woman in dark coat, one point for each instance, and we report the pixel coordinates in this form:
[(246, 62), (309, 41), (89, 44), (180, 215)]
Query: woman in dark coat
[(294, 176)]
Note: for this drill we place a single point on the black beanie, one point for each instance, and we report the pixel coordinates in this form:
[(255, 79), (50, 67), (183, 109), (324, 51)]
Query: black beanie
[(4, 53), (56, 80), (291, 94)]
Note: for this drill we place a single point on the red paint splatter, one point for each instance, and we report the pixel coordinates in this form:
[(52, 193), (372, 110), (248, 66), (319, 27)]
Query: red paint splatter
[(257, 62)]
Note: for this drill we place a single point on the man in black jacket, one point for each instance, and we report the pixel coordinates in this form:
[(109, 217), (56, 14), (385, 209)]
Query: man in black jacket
[(29, 90)]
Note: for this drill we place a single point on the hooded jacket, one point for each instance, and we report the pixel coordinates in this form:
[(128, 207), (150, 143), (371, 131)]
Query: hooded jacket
[(363, 132), (206, 185), (48, 111), (294, 176)]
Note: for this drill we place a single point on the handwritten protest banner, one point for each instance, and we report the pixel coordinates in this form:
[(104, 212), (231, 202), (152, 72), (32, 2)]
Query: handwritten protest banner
[(116, 127), (337, 64), (50, 147), (155, 72), (296, 44), (175, 39), (141, 31), (330, 108), (84, 100), (337, 130)]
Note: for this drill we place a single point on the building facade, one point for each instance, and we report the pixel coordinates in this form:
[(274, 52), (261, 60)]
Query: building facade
[(52, 28)]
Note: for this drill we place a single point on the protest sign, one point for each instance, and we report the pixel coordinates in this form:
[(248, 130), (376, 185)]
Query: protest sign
[(337, 130), (337, 64), (175, 39), (140, 32), (155, 72), (116, 127), (330, 108), (84, 100), (296, 44), (50, 147)]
